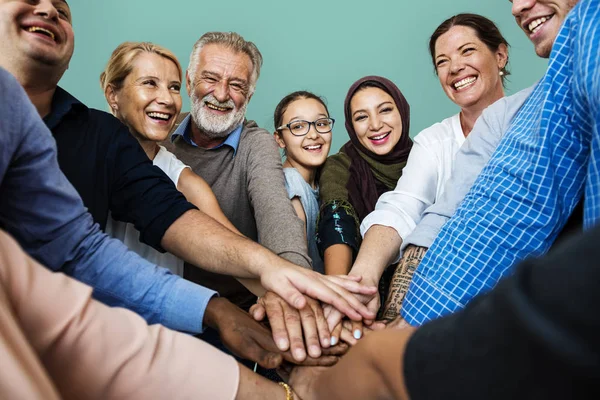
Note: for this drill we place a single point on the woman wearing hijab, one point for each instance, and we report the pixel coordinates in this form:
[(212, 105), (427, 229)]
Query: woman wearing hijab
[(377, 121)]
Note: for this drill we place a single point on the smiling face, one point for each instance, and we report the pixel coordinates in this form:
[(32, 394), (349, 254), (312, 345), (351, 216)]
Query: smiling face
[(468, 70), (310, 150), (220, 91), (376, 120), (541, 21), (149, 101), (36, 32)]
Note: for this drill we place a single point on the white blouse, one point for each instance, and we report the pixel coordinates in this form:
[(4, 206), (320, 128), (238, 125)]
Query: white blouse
[(127, 233), (428, 168)]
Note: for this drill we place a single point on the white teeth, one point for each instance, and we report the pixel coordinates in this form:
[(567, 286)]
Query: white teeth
[(535, 25), (316, 147), (379, 137), (38, 29), (159, 115), (214, 107), (463, 83)]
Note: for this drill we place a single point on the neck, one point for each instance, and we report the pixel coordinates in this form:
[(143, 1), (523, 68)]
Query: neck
[(469, 115), (150, 148), (39, 84), (203, 140), (309, 174)]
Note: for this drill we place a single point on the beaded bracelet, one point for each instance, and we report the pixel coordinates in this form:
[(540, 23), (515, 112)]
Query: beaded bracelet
[(288, 391)]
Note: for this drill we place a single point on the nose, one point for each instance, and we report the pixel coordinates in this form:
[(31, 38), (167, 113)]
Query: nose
[(519, 6), (165, 96), (46, 9), (456, 65), (221, 91), (375, 123), (312, 131)]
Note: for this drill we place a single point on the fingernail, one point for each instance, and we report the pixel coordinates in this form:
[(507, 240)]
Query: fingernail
[(282, 344), (357, 334), (314, 351), (325, 342), (299, 354), (333, 340)]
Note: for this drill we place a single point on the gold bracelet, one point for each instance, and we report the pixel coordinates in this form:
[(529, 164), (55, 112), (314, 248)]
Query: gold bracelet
[(288, 391)]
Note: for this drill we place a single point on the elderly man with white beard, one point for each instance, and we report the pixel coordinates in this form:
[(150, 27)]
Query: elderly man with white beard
[(239, 160)]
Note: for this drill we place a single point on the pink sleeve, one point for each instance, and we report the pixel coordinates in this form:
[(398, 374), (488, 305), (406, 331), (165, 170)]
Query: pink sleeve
[(92, 351)]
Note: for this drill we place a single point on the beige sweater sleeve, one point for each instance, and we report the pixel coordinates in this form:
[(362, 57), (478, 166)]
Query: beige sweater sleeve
[(91, 351), (279, 228)]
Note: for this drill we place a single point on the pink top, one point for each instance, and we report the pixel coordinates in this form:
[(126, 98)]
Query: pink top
[(57, 342)]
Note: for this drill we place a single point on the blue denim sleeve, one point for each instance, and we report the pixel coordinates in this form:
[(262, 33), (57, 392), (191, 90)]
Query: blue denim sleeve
[(44, 213)]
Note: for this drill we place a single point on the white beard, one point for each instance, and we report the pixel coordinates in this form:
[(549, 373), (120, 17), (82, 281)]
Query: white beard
[(212, 125)]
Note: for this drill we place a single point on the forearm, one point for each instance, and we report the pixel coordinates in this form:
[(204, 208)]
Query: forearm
[(121, 278), (338, 259), (379, 249), (254, 387), (401, 280), (202, 241), (375, 365)]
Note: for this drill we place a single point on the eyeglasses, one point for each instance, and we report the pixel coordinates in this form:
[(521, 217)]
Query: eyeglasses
[(301, 128)]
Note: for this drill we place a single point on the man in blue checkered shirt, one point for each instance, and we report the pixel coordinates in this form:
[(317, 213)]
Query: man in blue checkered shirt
[(546, 162)]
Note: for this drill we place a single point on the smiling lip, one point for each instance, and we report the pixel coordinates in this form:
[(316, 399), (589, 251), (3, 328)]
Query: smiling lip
[(313, 148), (464, 83), (42, 29), (532, 25), (214, 107), (159, 117), (380, 139)]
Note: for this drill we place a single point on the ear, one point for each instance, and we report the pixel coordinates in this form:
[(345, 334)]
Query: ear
[(502, 56), (112, 98), (279, 140), (188, 84)]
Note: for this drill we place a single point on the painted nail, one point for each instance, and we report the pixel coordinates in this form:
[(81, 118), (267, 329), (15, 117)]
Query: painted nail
[(357, 334), (334, 340)]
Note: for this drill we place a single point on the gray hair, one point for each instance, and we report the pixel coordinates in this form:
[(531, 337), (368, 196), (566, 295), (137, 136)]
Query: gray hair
[(233, 41)]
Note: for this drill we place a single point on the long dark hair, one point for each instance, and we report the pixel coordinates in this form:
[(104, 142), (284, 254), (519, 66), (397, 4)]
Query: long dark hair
[(484, 28)]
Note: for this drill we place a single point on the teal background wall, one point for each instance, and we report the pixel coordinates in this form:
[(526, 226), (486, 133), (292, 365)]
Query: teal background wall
[(317, 45)]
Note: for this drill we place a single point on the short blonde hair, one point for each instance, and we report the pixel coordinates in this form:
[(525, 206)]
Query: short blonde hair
[(120, 64)]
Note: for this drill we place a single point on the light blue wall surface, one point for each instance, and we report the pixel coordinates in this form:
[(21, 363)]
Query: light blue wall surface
[(322, 46)]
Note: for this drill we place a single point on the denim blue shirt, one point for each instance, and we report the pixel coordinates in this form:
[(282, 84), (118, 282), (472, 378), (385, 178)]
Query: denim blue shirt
[(44, 213), (185, 131), (523, 197)]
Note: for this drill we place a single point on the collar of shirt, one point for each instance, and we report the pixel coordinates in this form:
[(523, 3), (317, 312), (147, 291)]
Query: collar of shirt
[(62, 103), (184, 130)]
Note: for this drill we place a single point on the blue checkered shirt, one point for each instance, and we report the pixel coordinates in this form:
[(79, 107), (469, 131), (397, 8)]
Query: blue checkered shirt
[(525, 194)]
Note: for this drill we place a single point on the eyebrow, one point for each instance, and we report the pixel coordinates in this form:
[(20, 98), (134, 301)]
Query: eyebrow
[(298, 117), (460, 47), (379, 105)]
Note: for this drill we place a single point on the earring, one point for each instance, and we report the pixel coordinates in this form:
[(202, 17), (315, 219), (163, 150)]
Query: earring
[(501, 73), (114, 106)]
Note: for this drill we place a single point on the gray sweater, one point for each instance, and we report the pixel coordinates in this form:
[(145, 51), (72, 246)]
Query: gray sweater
[(251, 191)]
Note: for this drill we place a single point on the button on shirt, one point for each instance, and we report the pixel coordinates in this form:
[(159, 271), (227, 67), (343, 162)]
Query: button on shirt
[(525, 194), (40, 208)]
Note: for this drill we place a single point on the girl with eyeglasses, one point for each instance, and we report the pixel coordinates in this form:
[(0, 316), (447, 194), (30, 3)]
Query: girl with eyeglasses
[(303, 130)]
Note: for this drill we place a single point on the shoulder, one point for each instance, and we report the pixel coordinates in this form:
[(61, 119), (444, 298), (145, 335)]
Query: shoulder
[(165, 158), (251, 132), (438, 132), (335, 161), (256, 140), (507, 105)]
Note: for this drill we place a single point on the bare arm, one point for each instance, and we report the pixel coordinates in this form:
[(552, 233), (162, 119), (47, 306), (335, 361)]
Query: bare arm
[(201, 240), (338, 259), (199, 193), (378, 250)]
